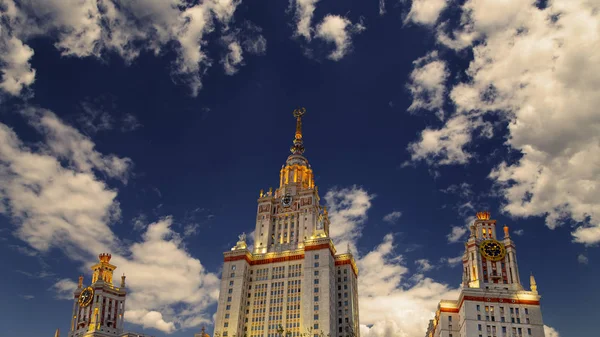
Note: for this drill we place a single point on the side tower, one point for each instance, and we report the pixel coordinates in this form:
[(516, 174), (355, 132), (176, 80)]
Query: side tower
[(98, 308), (292, 283), (492, 301)]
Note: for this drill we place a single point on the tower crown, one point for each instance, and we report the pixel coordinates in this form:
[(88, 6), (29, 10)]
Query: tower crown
[(104, 258), (483, 215)]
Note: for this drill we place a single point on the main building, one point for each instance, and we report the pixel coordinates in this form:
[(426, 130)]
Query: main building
[(292, 283), (492, 301)]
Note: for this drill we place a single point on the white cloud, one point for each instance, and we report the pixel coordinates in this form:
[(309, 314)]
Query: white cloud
[(338, 30), (381, 7), (17, 73), (423, 265), (57, 201), (550, 331), (392, 217), (582, 259), (427, 84), (233, 58), (426, 12), (93, 28), (392, 304), (456, 234), (534, 69), (304, 11), (452, 261), (347, 209), (519, 232), (64, 289)]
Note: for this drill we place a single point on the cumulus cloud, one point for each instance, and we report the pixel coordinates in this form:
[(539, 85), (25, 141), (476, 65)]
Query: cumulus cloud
[(92, 28), (347, 209), (304, 11), (64, 288), (456, 233), (334, 29), (338, 30), (57, 195), (392, 304), (427, 84), (426, 12), (452, 261), (392, 217), (533, 67), (519, 232), (423, 265)]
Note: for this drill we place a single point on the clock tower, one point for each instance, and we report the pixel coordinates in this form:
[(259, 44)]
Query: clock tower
[(99, 307), (492, 301)]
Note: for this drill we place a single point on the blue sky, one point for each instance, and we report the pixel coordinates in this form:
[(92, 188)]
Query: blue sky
[(147, 128)]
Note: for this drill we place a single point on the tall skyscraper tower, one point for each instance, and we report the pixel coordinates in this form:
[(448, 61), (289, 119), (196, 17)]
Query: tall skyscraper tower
[(293, 283), (492, 301)]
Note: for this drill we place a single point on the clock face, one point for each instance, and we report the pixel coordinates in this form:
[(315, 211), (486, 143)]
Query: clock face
[(492, 250), (286, 201), (86, 296)]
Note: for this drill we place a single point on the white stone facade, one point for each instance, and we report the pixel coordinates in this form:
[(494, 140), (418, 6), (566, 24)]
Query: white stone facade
[(492, 302)]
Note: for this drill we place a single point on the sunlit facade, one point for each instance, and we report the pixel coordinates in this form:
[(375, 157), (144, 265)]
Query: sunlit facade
[(492, 301), (292, 283)]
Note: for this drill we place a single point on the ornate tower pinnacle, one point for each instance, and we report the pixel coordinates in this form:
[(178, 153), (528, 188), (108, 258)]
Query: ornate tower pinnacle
[(298, 147), (532, 283)]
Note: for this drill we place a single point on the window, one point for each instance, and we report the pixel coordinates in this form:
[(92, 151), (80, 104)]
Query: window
[(316, 281), (526, 311), (316, 317), (478, 307), (517, 311), (316, 256), (316, 290), (316, 298), (230, 291), (225, 334), (229, 299), (227, 307), (316, 264), (529, 331), (231, 283), (449, 318), (225, 324), (316, 326), (316, 308), (233, 267), (345, 302), (345, 271), (232, 275), (479, 327), (479, 317), (449, 326), (316, 273), (226, 315)]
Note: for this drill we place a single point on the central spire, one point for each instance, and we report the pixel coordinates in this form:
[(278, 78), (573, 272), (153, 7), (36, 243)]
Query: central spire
[(298, 147)]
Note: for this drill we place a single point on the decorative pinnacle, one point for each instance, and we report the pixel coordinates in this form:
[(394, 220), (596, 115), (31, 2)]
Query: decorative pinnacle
[(104, 257), (298, 147), (483, 215)]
